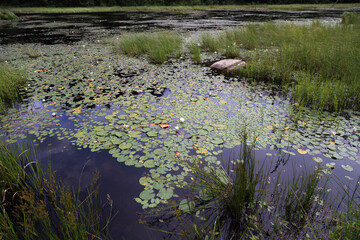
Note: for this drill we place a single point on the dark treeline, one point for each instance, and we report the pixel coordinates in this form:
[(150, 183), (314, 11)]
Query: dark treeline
[(73, 3)]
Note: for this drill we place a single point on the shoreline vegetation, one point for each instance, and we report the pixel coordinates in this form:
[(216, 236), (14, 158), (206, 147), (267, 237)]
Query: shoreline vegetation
[(317, 63), (11, 82), (244, 200), (44, 10), (7, 15), (35, 205)]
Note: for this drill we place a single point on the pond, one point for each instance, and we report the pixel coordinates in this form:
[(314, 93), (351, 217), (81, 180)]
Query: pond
[(87, 108)]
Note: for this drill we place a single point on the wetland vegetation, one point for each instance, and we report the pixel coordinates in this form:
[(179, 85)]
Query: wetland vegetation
[(11, 81), (253, 154), (36, 206), (177, 8)]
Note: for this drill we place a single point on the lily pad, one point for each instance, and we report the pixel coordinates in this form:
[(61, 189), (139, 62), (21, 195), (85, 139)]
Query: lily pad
[(125, 146), (347, 168), (186, 205), (147, 194)]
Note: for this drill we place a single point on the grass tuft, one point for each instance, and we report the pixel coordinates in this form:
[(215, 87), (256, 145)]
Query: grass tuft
[(158, 47), (195, 53), (35, 206), (11, 81), (7, 15), (350, 18)]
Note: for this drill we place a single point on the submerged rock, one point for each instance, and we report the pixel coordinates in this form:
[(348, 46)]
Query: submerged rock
[(228, 65)]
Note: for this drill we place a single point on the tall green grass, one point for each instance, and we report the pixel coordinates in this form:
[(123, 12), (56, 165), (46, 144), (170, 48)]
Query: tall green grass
[(319, 61), (195, 53), (175, 8), (245, 201), (7, 15), (158, 47), (350, 18), (35, 206), (11, 80)]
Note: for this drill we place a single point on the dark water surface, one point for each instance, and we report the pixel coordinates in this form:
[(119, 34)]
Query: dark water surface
[(68, 28)]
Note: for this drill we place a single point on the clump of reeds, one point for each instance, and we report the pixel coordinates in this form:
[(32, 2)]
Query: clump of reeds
[(195, 52), (350, 18), (319, 62), (32, 53), (11, 81), (35, 206), (158, 47), (7, 15), (245, 201)]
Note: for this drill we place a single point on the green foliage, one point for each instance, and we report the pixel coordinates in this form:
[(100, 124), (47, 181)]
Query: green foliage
[(34, 206), (348, 222), (7, 15), (32, 53), (247, 202), (210, 42), (11, 81), (195, 53), (319, 61), (350, 18), (158, 47)]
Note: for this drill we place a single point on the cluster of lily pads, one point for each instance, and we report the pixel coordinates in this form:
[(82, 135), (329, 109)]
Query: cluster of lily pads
[(156, 116)]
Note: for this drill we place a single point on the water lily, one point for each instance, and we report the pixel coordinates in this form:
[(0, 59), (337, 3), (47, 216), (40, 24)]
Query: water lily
[(182, 120), (176, 127), (53, 114), (354, 129)]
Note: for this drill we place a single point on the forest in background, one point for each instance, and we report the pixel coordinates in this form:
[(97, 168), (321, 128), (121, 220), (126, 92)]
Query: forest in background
[(78, 3)]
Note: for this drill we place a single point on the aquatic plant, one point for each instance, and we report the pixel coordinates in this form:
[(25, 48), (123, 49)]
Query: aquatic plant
[(210, 42), (158, 47), (7, 15), (195, 53), (32, 53), (35, 206), (11, 81), (176, 8), (245, 200), (350, 18), (318, 60)]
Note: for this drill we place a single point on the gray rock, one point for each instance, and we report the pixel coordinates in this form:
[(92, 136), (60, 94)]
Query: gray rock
[(228, 65)]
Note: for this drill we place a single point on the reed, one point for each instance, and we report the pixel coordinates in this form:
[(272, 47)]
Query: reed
[(158, 47), (7, 15), (195, 52), (11, 81), (35, 206)]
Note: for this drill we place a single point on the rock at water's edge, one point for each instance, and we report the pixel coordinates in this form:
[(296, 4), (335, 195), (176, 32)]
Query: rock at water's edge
[(228, 65)]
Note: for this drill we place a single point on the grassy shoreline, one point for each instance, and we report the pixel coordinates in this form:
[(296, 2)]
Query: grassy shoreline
[(43, 10), (37, 206)]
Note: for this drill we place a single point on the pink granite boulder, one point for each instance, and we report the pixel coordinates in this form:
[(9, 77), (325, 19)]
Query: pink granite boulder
[(228, 65)]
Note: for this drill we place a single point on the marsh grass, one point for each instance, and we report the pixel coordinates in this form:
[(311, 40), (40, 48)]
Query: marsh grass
[(11, 81), (35, 206), (347, 222), (7, 15), (176, 8), (319, 61), (246, 201), (350, 18), (32, 53), (158, 47), (195, 52)]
